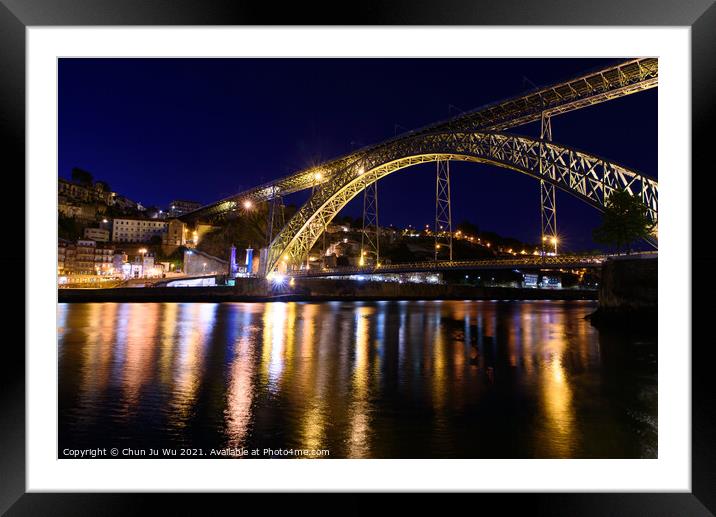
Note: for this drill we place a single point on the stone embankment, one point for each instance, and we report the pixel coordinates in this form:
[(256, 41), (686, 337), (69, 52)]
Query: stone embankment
[(256, 289), (628, 292)]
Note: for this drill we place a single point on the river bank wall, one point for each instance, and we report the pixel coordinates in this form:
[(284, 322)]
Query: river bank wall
[(259, 290), (628, 292)]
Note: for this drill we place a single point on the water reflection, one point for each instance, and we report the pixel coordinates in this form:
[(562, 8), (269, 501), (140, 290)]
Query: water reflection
[(386, 379)]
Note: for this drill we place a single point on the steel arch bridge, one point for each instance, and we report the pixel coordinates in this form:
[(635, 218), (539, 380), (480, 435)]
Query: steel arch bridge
[(626, 78), (587, 177)]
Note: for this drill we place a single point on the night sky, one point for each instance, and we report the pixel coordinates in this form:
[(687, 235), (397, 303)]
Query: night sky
[(202, 129)]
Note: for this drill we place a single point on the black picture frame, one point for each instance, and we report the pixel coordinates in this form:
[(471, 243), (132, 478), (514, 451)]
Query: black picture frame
[(16, 15)]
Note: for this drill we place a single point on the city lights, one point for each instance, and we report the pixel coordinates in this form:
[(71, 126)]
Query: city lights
[(248, 204)]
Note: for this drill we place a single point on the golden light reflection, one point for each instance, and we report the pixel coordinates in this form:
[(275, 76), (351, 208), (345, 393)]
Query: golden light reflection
[(358, 435), (318, 373), (97, 359), (169, 323), (274, 325), (241, 389), (438, 367), (556, 391), (139, 353), (198, 322), (311, 378)]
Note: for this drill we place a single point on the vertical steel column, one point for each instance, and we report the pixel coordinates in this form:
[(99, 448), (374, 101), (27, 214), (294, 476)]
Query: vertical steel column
[(275, 219), (548, 205), (316, 178), (370, 240), (443, 212)]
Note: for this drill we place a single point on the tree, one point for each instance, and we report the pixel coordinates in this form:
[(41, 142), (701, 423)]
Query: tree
[(82, 176), (105, 186), (624, 221)]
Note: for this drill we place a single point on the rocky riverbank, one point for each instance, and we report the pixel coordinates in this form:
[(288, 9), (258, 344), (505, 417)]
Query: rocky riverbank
[(628, 293)]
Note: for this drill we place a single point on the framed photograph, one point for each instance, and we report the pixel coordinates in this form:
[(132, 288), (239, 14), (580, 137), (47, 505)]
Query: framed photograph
[(426, 251)]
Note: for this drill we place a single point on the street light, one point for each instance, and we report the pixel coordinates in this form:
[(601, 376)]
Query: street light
[(248, 204), (554, 241), (143, 251)]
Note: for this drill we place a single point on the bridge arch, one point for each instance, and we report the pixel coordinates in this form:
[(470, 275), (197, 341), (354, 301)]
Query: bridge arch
[(587, 177)]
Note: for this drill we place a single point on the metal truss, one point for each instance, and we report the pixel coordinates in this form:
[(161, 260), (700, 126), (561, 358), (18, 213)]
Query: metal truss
[(587, 177), (589, 89), (547, 193), (529, 262), (443, 212), (370, 238), (275, 217)]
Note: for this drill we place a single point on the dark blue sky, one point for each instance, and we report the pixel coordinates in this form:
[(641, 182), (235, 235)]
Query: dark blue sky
[(202, 129)]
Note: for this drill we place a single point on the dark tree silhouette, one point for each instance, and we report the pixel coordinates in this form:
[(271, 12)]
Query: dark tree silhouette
[(625, 220), (82, 176)]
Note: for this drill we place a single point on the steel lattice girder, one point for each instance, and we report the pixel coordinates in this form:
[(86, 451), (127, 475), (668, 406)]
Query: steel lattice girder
[(625, 78), (370, 238), (589, 178), (541, 262)]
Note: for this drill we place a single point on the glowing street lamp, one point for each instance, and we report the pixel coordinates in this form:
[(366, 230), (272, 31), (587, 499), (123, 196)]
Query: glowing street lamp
[(554, 241), (248, 204), (143, 252)]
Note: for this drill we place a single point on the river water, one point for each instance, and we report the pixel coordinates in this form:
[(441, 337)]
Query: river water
[(403, 379)]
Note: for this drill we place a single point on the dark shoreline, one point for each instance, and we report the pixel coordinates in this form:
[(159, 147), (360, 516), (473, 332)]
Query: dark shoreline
[(229, 294)]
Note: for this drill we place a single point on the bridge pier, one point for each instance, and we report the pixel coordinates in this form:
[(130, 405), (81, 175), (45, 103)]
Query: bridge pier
[(370, 238), (547, 192), (443, 211)]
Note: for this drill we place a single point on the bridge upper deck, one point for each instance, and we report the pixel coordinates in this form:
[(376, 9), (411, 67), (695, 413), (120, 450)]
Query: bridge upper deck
[(592, 88)]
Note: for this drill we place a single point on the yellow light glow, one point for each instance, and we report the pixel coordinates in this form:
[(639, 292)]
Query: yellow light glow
[(318, 176), (554, 240)]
